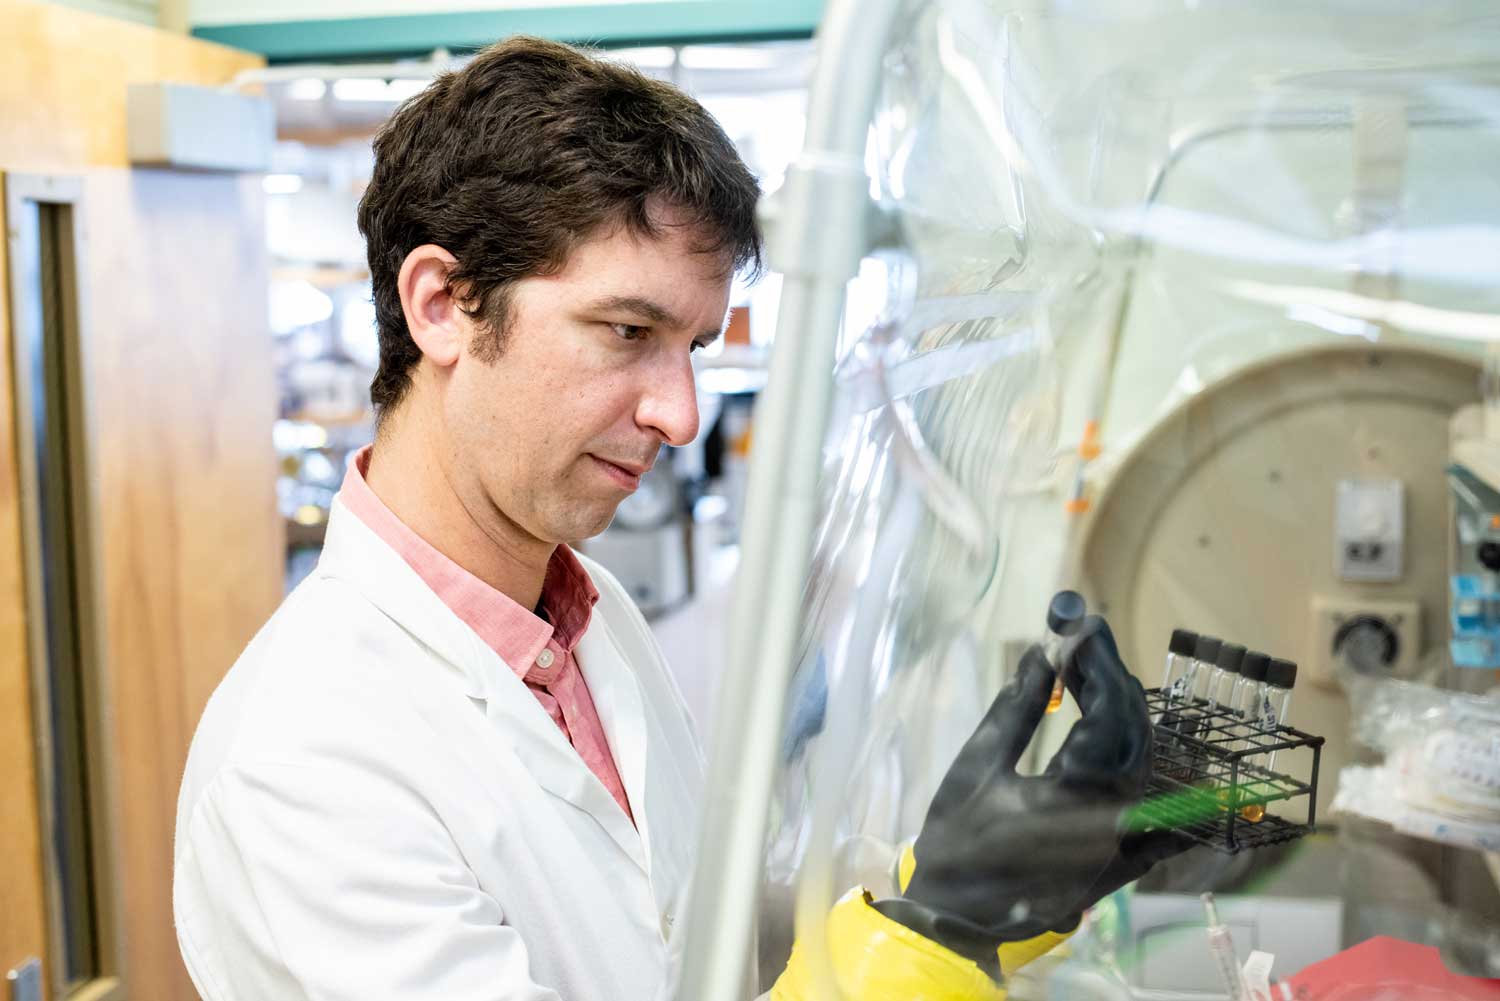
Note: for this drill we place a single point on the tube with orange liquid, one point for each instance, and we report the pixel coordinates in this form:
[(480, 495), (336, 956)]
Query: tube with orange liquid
[(1064, 619)]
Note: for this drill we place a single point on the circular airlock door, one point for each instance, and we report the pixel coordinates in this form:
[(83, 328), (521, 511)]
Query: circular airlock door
[(1222, 518)]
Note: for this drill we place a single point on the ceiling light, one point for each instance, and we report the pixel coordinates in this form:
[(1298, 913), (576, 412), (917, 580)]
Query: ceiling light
[(373, 89), (307, 89), (281, 184), (404, 87), (726, 57), (654, 57)]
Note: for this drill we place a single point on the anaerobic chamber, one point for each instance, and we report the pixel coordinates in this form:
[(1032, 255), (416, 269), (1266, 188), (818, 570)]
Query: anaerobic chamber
[(1191, 307)]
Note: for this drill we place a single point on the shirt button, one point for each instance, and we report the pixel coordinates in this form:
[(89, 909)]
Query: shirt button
[(544, 659)]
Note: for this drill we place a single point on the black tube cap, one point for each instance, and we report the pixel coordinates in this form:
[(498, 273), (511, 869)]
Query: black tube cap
[(1183, 642), (1281, 673), (1065, 613), (1207, 649), (1254, 666), (1230, 657)]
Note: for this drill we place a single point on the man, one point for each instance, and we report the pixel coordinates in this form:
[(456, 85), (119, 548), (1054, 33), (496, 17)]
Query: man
[(453, 765)]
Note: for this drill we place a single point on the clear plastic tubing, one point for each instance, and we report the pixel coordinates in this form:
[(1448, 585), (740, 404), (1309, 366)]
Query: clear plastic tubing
[(1179, 659), (1064, 619), (1217, 682)]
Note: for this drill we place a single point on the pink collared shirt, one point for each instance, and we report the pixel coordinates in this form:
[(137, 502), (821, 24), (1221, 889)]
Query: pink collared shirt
[(539, 650)]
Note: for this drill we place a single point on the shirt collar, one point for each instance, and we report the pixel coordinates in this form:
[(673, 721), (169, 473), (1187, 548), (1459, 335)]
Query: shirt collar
[(516, 634)]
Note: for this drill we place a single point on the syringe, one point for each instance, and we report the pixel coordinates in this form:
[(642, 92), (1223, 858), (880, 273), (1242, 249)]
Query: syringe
[(1221, 945), (1064, 619)]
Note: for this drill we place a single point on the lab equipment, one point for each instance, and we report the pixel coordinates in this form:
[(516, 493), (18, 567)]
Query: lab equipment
[(1179, 660), (1221, 678), (1221, 946), (1245, 697), (1474, 588), (1204, 663), (1440, 779), (1169, 230), (1276, 697), (1207, 779), (1267, 706), (1387, 969), (1064, 618), (646, 545)]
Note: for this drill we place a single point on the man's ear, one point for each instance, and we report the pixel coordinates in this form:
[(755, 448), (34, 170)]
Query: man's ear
[(434, 318)]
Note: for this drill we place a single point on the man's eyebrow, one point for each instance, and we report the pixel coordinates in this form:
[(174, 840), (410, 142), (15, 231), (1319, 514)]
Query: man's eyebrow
[(640, 306), (653, 311)]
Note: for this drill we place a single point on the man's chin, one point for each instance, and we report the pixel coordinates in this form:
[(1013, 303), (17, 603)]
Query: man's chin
[(584, 527)]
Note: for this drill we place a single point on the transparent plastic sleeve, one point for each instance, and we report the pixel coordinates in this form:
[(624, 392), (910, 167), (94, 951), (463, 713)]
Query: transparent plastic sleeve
[(1190, 310)]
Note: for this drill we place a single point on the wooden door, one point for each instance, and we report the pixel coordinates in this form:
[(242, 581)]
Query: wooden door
[(164, 504), (65, 809), (193, 546), (23, 932)]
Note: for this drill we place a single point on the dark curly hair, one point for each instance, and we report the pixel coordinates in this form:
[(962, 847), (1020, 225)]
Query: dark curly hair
[(513, 161)]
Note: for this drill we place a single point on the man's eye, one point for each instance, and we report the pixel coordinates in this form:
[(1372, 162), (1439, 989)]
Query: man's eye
[(698, 346), (628, 332)]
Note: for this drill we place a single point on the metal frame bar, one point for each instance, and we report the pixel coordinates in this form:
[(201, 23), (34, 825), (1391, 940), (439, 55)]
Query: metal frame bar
[(610, 24), (825, 228), (24, 194)]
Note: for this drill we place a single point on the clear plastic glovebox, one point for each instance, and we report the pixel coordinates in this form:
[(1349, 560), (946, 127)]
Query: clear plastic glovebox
[(1191, 310)]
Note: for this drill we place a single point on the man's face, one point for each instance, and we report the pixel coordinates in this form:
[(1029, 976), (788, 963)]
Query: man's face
[(593, 377)]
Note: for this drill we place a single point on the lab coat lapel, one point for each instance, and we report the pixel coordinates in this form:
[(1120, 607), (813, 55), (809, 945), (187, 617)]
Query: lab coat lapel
[(352, 552), (555, 763), (617, 699)]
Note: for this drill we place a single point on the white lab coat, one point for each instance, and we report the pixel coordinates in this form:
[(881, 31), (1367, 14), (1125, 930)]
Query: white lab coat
[(375, 806)]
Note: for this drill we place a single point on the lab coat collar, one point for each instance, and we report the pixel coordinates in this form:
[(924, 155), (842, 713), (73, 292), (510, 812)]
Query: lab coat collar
[(352, 552)]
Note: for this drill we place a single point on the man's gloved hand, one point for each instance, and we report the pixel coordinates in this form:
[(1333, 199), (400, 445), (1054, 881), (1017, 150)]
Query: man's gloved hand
[(1004, 857)]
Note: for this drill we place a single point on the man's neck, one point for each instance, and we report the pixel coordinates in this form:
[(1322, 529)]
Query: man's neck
[(407, 472)]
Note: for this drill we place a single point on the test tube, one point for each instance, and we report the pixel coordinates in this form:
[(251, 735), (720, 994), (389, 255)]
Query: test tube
[(1205, 660), (1249, 693), (1276, 699), (1064, 618), (1275, 702), (1179, 659), (1244, 697), (1219, 692)]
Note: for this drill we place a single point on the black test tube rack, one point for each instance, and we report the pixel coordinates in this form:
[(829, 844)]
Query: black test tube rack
[(1206, 781)]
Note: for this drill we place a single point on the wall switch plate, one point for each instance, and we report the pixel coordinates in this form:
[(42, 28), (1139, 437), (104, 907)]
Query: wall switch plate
[(1369, 530)]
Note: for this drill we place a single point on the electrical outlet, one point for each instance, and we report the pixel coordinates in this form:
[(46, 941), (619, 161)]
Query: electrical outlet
[(1373, 637)]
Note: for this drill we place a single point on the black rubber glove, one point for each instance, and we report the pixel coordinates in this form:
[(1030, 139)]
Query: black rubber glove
[(1004, 857)]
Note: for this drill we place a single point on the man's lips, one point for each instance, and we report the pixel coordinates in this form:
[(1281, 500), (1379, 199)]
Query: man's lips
[(633, 468), (627, 475)]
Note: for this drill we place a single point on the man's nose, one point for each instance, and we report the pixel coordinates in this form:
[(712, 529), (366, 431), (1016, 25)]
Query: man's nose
[(669, 403)]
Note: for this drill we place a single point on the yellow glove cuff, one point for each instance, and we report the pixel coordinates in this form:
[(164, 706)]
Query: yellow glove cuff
[(1013, 955), (907, 867), (877, 959)]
